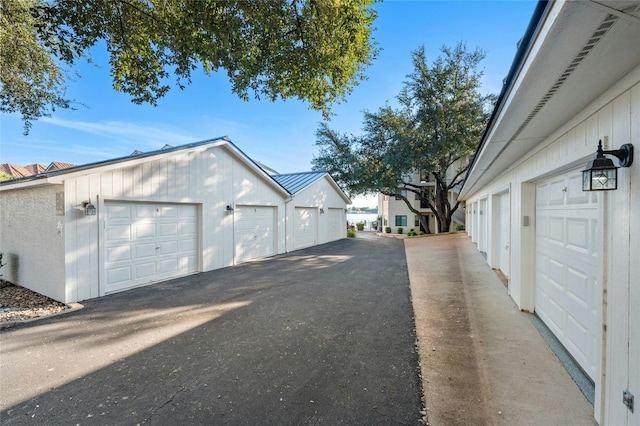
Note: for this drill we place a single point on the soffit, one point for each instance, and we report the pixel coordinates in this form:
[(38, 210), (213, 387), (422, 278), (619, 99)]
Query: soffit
[(564, 72)]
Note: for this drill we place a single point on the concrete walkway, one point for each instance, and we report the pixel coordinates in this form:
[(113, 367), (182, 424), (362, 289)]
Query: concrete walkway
[(482, 361)]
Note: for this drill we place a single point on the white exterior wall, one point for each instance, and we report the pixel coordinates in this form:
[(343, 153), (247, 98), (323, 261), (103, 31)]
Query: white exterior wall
[(210, 177), (614, 116), (32, 239), (319, 194)]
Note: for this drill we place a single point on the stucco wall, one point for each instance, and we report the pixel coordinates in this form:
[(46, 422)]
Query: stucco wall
[(615, 117), (32, 240)]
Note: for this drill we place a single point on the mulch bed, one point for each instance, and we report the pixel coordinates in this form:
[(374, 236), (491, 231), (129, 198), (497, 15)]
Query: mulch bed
[(19, 303)]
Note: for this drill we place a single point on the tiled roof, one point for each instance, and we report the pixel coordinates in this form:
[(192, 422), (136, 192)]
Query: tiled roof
[(17, 171), (294, 182), (56, 165)]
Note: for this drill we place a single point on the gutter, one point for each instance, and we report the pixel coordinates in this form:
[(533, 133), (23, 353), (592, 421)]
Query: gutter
[(524, 47)]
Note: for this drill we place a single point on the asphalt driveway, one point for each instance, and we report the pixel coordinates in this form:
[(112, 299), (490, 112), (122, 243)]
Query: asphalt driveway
[(319, 336)]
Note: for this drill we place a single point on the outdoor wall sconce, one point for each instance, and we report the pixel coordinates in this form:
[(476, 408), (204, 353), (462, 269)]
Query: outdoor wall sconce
[(89, 209), (229, 208), (321, 210), (601, 174)]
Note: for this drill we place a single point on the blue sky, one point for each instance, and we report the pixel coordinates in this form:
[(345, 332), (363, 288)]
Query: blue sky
[(281, 135)]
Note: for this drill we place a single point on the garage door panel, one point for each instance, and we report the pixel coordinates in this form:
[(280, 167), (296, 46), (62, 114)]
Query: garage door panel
[(145, 270), (168, 212), (168, 229), (119, 275), (168, 247), (168, 266), (118, 211), (188, 229), (556, 230), (578, 234), (145, 244), (578, 286), (119, 254), (145, 211), (118, 232), (144, 230)]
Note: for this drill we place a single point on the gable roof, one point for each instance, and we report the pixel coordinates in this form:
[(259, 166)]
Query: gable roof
[(21, 171), (59, 176), (57, 165), (296, 182)]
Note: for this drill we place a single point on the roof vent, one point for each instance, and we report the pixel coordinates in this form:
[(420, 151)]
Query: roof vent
[(586, 49)]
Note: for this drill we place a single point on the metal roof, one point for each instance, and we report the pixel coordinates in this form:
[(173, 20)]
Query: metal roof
[(294, 182)]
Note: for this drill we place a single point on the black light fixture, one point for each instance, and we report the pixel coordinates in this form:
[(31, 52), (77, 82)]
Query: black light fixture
[(89, 209), (229, 207), (601, 174)]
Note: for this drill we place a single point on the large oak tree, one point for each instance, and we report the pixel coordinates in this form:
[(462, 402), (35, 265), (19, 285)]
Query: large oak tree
[(435, 129), (313, 50)]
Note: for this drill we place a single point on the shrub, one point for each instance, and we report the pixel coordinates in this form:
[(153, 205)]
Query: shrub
[(351, 233), (399, 230), (459, 227), (411, 233), (360, 226), (387, 229)]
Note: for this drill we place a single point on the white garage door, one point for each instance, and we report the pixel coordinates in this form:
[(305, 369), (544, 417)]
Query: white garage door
[(304, 227), (567, 255), (148, 242), (504, 236), (337, 225), (253, 232)]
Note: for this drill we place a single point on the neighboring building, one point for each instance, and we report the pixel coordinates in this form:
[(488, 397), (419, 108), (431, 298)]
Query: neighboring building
[(572, 257), (16, 171), (396, 214), (316, 212), (95, 229)]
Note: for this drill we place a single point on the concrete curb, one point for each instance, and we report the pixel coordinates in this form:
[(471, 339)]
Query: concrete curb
[(71, 307)]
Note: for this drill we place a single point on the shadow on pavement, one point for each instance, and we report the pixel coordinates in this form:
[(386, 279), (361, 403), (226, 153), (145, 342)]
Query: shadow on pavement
[(319, 336)]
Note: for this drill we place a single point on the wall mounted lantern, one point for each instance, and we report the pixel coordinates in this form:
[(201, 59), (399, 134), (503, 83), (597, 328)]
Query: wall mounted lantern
[(229, 207), (89, 209), (321, 210), (601, 174)]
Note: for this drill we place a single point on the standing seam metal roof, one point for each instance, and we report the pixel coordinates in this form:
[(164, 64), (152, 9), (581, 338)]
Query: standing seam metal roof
[(294, 182)]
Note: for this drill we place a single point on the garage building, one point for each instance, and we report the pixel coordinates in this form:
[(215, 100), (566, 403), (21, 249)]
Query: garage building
[(95, 229), (570, 255)]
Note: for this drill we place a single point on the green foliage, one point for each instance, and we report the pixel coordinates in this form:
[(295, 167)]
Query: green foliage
[(5, 176), (400, 230), (459, 227), (387, 229), (360, 226), (435, 130), (351, 233), (411, 233), (304, 49)]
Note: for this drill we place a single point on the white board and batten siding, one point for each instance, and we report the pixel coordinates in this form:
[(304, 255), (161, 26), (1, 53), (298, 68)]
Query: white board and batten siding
[(316, 215), (196, 185), (571, 250)]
